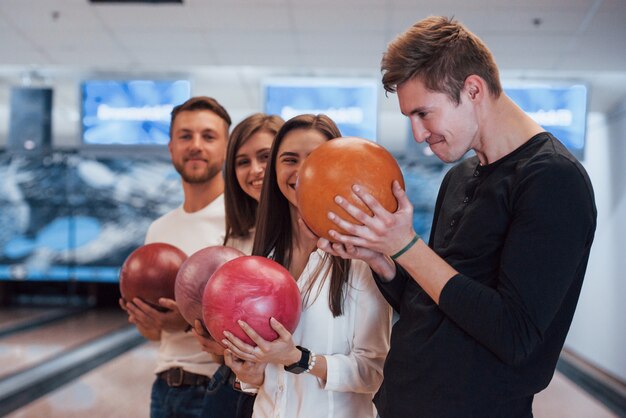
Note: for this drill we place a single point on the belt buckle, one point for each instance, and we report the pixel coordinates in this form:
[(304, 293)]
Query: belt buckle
[(178, 382)]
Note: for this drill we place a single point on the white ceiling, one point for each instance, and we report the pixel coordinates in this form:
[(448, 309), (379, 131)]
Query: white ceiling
[(227, 46)]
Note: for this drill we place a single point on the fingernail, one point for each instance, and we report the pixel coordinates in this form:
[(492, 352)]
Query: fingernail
[(338, 199), (225, 342), (240, 322), (356, 188), (331, 216)]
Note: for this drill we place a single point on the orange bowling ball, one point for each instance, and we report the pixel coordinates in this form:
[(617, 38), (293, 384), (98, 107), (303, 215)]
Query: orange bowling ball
[(332, 169), (149, 273)]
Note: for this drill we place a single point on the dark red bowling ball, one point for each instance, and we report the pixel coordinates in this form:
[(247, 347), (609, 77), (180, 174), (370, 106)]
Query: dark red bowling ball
[(193, 276), (149, 273), (253, 289), (331, 170)]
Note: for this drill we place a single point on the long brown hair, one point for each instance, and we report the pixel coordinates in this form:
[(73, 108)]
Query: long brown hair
[(239, 206), (441, 53), (273, 236)]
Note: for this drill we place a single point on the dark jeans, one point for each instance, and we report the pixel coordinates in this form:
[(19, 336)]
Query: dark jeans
[(220, 392), (217, 399), (180, 402)]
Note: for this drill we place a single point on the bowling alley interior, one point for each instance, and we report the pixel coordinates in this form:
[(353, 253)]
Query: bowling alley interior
[(86, 91)]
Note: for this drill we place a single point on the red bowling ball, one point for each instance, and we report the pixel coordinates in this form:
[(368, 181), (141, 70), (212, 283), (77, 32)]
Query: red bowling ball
[(332, 169), (149, 273), (193, 276), (252, 289)]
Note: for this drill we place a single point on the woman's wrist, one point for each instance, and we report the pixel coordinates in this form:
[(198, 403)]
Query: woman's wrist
[(293, 357)]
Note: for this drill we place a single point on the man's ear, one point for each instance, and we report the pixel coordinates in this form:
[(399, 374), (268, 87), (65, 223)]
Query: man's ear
[(474, 86)]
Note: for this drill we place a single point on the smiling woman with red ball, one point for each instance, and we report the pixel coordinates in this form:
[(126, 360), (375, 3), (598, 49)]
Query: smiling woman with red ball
[(331, 365), (244, 169)]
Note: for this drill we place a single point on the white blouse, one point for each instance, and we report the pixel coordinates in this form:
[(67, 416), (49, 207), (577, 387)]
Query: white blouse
[(354, 344)]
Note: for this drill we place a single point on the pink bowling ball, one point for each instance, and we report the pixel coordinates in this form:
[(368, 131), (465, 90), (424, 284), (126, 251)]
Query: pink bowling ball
[(252, 289)]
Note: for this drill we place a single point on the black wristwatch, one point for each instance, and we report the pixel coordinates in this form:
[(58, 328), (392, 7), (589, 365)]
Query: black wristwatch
[(302, 364)]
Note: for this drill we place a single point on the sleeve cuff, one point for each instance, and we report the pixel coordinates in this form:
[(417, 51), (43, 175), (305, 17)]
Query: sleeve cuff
[(247, 388), (332, 375), (394, 285)]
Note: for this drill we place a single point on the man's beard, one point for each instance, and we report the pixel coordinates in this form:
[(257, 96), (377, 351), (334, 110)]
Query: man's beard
[(196, 177)]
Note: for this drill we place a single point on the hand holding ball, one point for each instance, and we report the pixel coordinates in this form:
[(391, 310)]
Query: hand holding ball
[(149, 273), (332, 169), (252, 289)]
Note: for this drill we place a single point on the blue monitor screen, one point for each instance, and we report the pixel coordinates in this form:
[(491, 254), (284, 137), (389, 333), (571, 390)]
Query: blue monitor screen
[(561, 110), (350, 103), (135, 112), (68, 216)]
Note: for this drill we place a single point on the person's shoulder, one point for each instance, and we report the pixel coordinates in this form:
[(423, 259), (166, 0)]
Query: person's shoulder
[(164, 221), (552, 173), (552, 158), (243, 244)]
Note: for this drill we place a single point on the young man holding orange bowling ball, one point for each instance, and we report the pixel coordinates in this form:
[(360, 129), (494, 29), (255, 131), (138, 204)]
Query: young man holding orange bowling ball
[(485, 306), (190, 382)]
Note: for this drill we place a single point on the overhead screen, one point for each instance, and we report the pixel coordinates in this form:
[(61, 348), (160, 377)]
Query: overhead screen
[(350, 103), (129, 112)]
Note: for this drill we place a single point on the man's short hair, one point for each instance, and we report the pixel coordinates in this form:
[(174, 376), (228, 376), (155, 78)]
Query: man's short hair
[(201, 103), (441, 53)]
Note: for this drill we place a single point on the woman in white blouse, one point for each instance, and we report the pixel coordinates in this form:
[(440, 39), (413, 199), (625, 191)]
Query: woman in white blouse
[(332, 364)]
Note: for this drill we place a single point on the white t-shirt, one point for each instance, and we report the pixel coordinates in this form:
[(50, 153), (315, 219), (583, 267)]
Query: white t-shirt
[(355, 346), (190, 232)]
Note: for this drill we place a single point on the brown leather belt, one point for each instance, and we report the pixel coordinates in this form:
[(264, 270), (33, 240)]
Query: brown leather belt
[(177, 377)]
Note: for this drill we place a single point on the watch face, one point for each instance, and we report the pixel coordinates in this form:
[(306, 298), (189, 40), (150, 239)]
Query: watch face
[(296, 369)]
